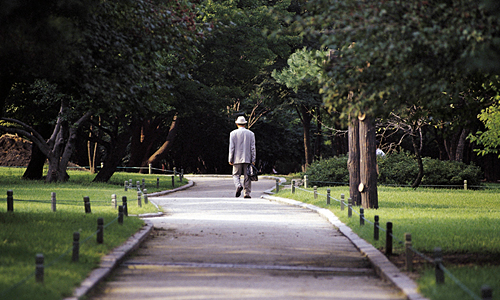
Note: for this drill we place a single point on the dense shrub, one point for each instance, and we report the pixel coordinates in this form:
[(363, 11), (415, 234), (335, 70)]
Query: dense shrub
[(445, 172), (398, 168), (329, 171)]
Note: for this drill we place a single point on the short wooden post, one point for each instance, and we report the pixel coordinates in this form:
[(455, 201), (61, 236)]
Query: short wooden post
[(173, 181), (349, 207), (277, 185), (113, 201), (86, 203), (409, 252), (120, 214), (486, 293), (138, 185), (126, 185), (150, 171), (10, 200), (39, 268), (157, 182), (328, 196), (175, 171), (438, 260), (465, 184), (181, 176), (361, 216), (145, 196), (305, 181), (76, 247), (130, 183), (315, 188), (125, 208), (143, 183), (53, 201), (100, 230), (376, 229), (293, 186), (342, 201), (388, 239), (139, 201)]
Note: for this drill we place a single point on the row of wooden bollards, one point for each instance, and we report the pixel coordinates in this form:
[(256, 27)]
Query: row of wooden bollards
[(86, 201), (75, 257), (128, 183), (486, 291)]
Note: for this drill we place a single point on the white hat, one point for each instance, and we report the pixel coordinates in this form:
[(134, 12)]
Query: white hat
[(240, 120)]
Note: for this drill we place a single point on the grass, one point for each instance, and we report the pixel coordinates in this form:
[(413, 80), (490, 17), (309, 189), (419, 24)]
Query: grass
[(34, 228), (462, 223)]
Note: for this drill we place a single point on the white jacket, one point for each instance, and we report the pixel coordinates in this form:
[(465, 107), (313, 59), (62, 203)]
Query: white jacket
[(242, 146)]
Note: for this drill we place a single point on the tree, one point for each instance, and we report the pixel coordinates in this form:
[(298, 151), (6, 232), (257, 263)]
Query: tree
[(490, 138), (115, 66), (302, 77)]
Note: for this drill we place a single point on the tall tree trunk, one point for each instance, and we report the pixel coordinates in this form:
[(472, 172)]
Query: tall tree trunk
[(353, 161), (318, 140), (368, 163), (306, 118), (5, 87), (460, 150), (162, 152), (420, 164)]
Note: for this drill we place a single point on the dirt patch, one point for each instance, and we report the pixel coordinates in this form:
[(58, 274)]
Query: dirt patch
[(14, 151)]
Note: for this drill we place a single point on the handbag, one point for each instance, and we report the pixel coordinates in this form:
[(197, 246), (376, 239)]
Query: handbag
[(252, 172)]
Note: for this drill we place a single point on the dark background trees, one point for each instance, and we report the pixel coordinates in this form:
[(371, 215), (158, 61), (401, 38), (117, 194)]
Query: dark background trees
[(161, 82)]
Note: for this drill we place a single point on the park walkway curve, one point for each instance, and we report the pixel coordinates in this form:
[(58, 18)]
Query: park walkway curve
[(211, 245)]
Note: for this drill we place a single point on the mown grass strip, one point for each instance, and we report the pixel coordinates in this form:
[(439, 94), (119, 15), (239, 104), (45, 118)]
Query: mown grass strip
[(34, 228), (462, 223)]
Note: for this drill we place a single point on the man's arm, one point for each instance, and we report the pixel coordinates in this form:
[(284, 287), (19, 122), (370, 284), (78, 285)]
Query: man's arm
[(231, 150)]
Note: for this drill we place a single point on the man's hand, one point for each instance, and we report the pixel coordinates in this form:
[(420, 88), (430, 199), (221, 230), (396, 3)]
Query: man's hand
[(230, 163)]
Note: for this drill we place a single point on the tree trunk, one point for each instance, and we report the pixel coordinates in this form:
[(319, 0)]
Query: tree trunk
[(306, 118), (368, 163), (115, 152), (353, 161), (460, 150), (144, 135), (318, 140), (69, 148), (162, 152), (5, 87), (34, 170), (420, 164)]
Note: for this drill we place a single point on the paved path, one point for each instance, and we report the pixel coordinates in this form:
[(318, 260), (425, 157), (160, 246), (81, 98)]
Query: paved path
[(211, 245)]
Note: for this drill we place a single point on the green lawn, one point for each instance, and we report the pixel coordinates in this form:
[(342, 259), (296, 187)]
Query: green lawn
[(34, 228), (460, 222)]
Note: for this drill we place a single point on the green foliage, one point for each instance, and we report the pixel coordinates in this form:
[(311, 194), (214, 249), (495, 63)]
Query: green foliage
[(490, 138), (397, 53), (329, 171), (398, 168), (304, 70), (445, 172)]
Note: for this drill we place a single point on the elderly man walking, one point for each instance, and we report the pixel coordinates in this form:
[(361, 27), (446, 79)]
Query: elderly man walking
[(241, 153)]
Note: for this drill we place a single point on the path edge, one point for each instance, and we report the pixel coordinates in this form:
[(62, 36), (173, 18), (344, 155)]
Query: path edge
[(382, 265), (112, 260)]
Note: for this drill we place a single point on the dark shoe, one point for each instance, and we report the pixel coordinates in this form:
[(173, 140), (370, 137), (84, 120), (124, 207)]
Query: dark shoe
[(238, 191), (247, 196)]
